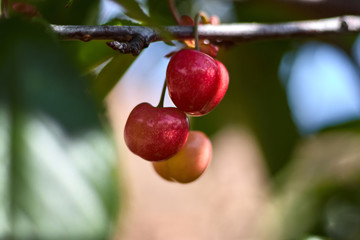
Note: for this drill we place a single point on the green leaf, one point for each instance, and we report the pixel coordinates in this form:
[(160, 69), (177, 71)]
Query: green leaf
[(317, 188), (80, 12), (69, 3), (111, 74), (134, 10), (92, 54), (160, 12), (351, 126), (58, 168), (88, 55)]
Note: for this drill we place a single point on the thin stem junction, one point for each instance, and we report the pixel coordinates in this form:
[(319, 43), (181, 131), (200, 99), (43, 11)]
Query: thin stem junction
[(196, 30), (161, 102)]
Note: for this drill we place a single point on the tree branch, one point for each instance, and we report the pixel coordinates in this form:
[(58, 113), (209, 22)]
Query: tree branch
[(225, 32)]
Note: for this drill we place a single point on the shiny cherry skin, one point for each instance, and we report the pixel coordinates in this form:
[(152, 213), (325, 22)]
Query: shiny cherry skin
[(155, 133), (193, 79), (188, 164), (222, 88)]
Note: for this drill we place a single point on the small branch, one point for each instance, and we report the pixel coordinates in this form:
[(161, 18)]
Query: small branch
[(225, 32), (119, 33)]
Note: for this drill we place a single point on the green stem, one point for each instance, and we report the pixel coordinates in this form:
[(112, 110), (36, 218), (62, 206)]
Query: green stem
[(161, 102), (196, 33)]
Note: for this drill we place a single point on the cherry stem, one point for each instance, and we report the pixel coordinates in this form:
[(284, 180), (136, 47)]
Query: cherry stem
[(161, 102), (174, 11), (196, 33)]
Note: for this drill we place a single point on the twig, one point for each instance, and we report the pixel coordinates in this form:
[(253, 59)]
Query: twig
[(225, 32)]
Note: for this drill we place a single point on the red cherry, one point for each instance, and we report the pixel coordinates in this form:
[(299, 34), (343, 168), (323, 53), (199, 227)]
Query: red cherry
[(188, 164), (222, 88), (193, 79), (156, 133)]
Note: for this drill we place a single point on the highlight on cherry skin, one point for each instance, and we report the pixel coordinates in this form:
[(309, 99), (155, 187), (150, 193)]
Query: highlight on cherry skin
[(156, 133), (188, 164), (196, 81)]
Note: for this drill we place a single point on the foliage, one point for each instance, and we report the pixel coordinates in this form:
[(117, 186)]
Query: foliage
[(58, 168), (57, 158)]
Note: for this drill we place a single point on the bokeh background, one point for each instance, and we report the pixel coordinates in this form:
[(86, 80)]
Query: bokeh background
[(286, 155)]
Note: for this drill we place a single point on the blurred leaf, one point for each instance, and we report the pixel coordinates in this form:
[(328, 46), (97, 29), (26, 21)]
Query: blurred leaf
[(187, 7), (319, 193), (269, 11), (92, 54), (161, 15), (160, 12), (134, 10), (111, 74), (69, 3), (352, 126), (80, 12), (88, 55), (60, 179)]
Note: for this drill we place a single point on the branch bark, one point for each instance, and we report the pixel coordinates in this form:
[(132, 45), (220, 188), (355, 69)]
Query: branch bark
[(225, 32)]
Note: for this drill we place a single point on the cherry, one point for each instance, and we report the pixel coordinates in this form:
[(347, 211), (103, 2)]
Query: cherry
[(192, 78), (156, 133), (188, 164), (222, 88), (196, 82)]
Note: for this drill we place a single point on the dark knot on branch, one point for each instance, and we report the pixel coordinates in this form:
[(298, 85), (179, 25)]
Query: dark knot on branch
[(134, 47)]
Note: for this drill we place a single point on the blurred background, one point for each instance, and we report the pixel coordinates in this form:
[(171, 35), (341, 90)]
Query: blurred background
[(286, 137)]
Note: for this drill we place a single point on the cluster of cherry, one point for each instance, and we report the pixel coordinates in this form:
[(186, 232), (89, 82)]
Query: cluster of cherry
[(196, 84)]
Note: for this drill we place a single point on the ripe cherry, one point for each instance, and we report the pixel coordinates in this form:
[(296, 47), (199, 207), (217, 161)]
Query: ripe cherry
[(222, 88), (188, 164), (155, 133), (196, 82)]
